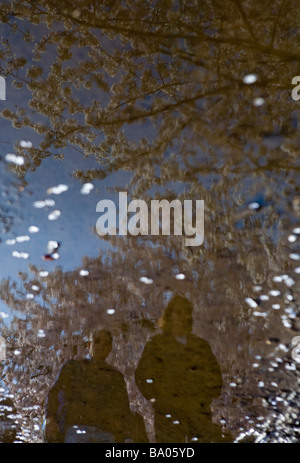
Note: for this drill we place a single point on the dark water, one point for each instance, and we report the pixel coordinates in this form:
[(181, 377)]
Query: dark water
[(142, 338)]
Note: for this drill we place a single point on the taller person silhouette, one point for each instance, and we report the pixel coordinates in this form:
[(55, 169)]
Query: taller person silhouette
[(180, 375)]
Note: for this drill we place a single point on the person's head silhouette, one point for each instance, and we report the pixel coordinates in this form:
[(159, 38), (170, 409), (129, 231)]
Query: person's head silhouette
[(177, 319), (100, 345)]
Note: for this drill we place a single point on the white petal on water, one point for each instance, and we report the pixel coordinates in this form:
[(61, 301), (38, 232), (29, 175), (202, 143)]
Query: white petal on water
[(26, 144), (176, 422), (20, 255), (10, 242), (286, 323), (290, 366), (292, 238), (57, 190), (54, 215), (168, 415), (255, 365), (251, 302), (276, 306), (35, 288), (33, 229), (149, 380), (43, 273), (13, 158), (297, 270), (52, 246), (84, 273), (14, 417), (289, 310), (110, 311), (29, 296), (41, 333), (260, 314), (289, 282), (17, 352), (250, 79), (21, 239), (146, 280), (260, 384), (274, 292), (277, 279), (264, 297), (257, 288), (180, 276), (49, 202), (254, 206), (294, 256), (4, 315), (259, 101), (283, 348), (232, 384), (86, 188), (297, 230), (55, 255), (39, 204)]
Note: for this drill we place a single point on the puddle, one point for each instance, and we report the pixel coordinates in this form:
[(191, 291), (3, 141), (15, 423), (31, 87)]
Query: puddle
[(197, 343)]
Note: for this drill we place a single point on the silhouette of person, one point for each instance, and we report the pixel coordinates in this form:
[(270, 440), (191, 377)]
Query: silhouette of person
[(89, 402), (180, 375)]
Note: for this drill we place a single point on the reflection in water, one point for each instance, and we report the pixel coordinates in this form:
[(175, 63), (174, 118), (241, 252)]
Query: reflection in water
[(180, 375), (180, 100), (89, 401), (146, 87)]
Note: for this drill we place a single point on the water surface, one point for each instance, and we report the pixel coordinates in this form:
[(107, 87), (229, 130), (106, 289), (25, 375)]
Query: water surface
[(167, 100)]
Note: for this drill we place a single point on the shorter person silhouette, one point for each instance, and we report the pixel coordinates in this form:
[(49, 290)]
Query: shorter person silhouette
[(180, 375), (89, 402)]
